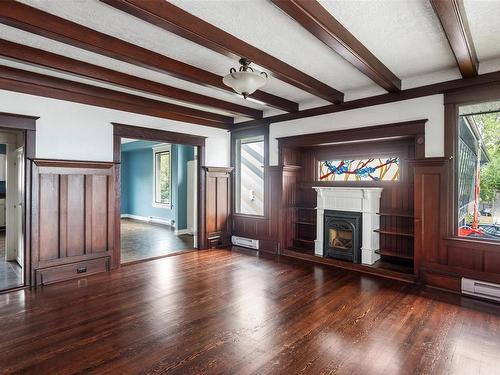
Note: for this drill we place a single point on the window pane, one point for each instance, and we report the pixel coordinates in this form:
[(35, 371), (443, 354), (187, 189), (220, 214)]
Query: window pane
[(162, 177), (250, 176), (375, 169), (478, 176)]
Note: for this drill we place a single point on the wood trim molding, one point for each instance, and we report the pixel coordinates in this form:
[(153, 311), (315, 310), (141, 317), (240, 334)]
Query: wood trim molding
[(319, 22), (33, 20), (176, 20), (404, 129), (437, 88), (18, 80), (51, 60), (137, 132), (451, 14), (16, 121)]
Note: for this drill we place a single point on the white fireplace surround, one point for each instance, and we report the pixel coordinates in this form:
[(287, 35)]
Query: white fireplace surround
[(354, 199)]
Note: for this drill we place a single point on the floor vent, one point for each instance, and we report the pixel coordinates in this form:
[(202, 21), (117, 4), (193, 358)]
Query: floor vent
[(245, 242), (481, 289)]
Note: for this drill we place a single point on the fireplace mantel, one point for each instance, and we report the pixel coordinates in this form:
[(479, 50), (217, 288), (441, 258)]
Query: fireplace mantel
[(355, 199)]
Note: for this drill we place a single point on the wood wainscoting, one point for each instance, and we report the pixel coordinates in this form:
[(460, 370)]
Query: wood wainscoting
[(218, 206), (72, 217)]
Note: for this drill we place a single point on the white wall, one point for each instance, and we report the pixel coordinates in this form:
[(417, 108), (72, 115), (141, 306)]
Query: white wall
[(73, 131), (430, 107)]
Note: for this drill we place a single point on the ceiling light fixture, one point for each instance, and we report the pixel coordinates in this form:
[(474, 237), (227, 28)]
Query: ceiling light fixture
[(246, 80)]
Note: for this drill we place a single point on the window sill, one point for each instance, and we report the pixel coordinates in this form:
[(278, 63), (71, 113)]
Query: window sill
[(162, 205)]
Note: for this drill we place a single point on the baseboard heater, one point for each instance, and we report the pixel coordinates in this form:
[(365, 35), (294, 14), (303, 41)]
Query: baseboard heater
[(481, 289), (245, 242)]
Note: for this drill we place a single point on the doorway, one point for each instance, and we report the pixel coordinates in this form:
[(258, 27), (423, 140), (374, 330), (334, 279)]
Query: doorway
[(159, 194), (12, 182), (155, 192)]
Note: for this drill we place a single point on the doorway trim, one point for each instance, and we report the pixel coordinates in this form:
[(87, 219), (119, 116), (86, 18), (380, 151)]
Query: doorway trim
[(27, 124), (136, 132)]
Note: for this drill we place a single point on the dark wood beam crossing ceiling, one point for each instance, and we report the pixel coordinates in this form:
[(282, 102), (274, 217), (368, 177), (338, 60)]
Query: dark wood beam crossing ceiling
[(451, 14), (19, 80), (176, 20), (50, 26), (390, 97), (54, 61), (319, 22)]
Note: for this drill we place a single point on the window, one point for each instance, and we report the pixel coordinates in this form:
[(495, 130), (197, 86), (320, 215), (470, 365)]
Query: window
[(373, 169), (478, 172), (162, 176), (249, 175)]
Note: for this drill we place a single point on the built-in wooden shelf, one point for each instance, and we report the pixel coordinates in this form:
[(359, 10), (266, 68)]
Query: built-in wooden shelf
[(305, 241), (391, 253), (396, 213), (305, 223), (302, 206), (393, 233)]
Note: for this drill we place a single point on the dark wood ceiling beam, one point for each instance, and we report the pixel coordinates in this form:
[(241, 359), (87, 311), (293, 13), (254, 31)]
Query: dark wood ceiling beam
[(176, 20), (30, 19), (50, 60), (19, 80), (451, 14), (491, 80), (319, 22)]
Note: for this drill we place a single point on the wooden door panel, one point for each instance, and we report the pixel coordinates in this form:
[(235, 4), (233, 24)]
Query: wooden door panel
[(99, 213), (49, 216), (75, 239)]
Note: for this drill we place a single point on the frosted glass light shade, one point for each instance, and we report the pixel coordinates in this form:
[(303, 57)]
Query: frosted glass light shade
[(244, 83)]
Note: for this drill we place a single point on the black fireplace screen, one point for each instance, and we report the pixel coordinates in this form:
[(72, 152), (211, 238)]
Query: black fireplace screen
[(343, 235)]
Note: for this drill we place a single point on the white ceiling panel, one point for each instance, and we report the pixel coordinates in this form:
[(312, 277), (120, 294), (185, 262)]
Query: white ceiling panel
[(261, 24), (108, 20), (484, 23), (404, 34), (36, 41)]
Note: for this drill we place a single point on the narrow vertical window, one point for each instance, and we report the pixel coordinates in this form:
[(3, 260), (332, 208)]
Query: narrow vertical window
[(249, 175), (162, 176)]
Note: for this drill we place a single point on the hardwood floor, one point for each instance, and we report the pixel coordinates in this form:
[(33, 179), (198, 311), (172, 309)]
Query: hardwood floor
[(10, 271), (223, 312), (140, 240)]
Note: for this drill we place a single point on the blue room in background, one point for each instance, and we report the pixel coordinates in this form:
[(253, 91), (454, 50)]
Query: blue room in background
[(137, 183)]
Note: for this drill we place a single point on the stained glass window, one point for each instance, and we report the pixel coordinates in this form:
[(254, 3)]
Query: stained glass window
[(376, 169)]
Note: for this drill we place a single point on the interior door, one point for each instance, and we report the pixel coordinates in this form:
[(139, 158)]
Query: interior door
[(19, 205)]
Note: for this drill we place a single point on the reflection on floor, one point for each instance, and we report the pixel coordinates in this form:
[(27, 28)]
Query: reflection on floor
[(10, 272), (141, 240)]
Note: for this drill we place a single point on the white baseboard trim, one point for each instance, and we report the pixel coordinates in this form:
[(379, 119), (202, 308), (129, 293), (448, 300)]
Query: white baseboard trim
[(148, 219), (179, 232)]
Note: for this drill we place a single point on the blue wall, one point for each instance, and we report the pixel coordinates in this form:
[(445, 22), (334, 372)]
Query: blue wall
[(137, 182)]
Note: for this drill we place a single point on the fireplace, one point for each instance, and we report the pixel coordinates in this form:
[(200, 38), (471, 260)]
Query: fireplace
[(351, 201), (342, 235)]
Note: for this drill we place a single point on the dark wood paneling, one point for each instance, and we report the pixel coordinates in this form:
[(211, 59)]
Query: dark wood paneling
[(180, 22), (453, 18), (75, 212), (33, 20), (73, 215), (431, 179), (51, 60), (481, 80), (218, 205), (320, 22)]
